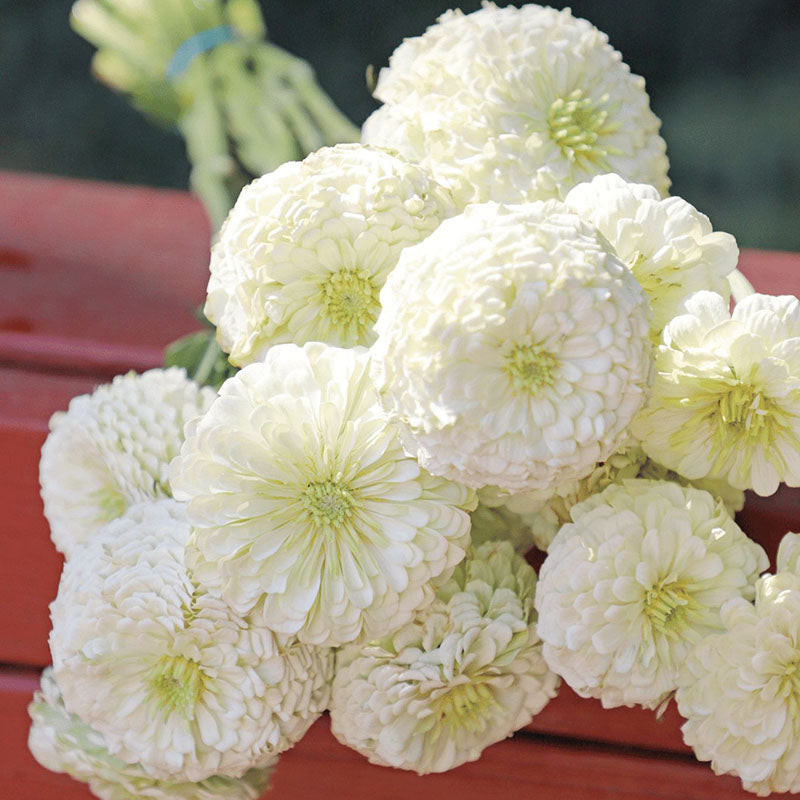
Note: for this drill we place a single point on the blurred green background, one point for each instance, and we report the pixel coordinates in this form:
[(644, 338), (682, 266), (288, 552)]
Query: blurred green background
[(723, 75)]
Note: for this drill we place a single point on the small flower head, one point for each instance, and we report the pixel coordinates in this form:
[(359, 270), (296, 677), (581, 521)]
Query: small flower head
[(61, 742), (512, 347), (170, 676), (304, 501), (465, 673), (556, 106), (668, 245), (634, 582), (726, 400), (306, 249), (740, 689), (112, 450)]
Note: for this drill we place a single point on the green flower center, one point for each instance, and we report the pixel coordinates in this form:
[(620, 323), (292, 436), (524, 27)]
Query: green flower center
[(576, 124), (466, 705), (667, 607), (110, 502), (175, 684), (351, 300), (743, 411), (530, 367), (328, 502)]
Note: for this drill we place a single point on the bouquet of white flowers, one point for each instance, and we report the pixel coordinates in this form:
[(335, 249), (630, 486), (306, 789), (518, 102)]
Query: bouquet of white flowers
[(482, 328)]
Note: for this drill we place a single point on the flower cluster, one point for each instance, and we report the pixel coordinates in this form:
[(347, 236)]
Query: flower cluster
[(449, 351)]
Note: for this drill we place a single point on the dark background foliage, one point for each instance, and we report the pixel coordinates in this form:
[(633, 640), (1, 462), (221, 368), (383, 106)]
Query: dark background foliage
[(723, 75)]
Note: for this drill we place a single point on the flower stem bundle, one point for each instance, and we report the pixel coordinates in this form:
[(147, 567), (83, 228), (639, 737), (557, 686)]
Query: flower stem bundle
[(242, 104)]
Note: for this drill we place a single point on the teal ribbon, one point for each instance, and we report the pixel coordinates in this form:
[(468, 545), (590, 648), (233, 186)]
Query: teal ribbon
[(195, 46)]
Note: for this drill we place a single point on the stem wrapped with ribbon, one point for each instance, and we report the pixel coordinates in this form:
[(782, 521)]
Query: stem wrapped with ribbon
[(243, 105)]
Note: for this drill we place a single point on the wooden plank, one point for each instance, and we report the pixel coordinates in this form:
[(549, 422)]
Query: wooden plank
[(576, 717), (97, 272), (318, 766), (30, 566)]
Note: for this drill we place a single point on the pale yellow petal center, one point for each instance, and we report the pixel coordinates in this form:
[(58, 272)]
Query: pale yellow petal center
[(577, 124), (351, 300), (328, 502), (175, 684), (530, 367), (668, 607)]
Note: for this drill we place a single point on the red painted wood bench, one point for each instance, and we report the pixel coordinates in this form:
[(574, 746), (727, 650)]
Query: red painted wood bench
[(95, 279)]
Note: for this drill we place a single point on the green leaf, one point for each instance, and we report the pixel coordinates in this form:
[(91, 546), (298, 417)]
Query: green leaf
[(201, 357)]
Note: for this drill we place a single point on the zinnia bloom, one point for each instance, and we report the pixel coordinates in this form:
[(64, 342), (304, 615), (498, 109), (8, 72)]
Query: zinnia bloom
[(465, 673), (516, 104), (667, 243), (169, 675), (62, 742), (306, 249), (740, 689), (303, 499), (112, 450), (634, 582), (726, 400), (512, 348)]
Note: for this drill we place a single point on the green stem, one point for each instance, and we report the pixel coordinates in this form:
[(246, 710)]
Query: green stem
[(207, 363)]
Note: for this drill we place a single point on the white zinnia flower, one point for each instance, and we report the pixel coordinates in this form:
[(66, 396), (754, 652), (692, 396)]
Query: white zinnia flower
[(112, 449), (306, 249), (726, 400), (517, 104), (667, 243), (634, 582), (301, 496), (740, 690), (170, 675), (467, 672), (512, 347), (61, 742)]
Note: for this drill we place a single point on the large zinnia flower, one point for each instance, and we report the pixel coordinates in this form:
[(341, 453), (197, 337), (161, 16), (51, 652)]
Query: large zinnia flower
[(512, 348), (303, 498), (465, 673), (726, 399), (112, 449), (740, 689), (634, 582), (62, 742), (516, 104), (667, 243), (306, 249), (171, 676)]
